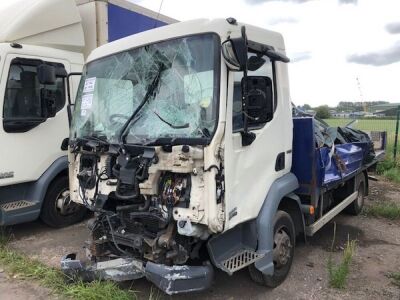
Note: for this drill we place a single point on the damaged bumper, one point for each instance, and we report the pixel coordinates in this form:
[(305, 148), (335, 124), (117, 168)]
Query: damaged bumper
[(169, 279)]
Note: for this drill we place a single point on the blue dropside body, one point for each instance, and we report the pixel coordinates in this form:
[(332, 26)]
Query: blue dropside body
[(318, 168)]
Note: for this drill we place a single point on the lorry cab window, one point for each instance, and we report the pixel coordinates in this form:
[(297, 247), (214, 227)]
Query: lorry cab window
[(265, 70), (182, 77), (23, 95)]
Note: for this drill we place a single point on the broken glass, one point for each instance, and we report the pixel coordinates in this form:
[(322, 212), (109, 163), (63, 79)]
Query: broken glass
[(183, 103)]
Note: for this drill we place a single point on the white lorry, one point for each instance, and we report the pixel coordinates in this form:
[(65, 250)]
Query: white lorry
[(184, 145), (36, 34)]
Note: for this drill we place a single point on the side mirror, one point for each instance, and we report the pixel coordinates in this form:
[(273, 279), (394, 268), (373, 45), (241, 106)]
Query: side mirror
[(234, 52), (260, 106), (46, 74), (48, 100), (64, 144)]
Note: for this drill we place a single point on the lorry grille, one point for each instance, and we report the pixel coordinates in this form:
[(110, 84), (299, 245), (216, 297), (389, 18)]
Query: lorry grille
[(240, 260)]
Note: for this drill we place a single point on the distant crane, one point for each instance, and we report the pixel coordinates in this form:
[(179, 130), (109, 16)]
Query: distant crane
[(363, 103)]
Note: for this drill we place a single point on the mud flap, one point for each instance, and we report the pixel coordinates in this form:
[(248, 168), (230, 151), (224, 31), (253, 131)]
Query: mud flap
[(180, 279)]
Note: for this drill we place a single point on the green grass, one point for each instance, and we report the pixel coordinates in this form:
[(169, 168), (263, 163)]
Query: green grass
[(371, 125), (338, 273), (395, 276), (393, 174), (389, 169), (385, 210), (25, 268), (366, 124)]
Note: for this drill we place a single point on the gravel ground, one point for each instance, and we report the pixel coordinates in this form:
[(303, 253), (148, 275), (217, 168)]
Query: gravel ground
[(377, 254)]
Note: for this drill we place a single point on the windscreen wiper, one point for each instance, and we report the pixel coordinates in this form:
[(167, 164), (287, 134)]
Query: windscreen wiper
[(93, 141), (149, 93), (186, 125)]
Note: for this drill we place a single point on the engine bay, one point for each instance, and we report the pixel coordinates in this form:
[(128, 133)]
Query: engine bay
[(149, 202)]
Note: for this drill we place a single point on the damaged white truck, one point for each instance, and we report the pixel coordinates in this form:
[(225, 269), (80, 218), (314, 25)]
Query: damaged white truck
[(184, 145)]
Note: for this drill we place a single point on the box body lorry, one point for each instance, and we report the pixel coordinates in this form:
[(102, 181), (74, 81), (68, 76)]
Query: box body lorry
[(184, 146), (56, 33)]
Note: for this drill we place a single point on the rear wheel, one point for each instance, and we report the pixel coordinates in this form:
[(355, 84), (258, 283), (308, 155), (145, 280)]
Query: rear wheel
[(283, 251), (357, 205), (58, 210)]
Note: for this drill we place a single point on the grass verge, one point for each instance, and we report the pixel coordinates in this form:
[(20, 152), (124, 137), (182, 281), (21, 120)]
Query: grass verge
[(395, 276), (338, 273), (26, 268), (389, 169), (386, 210)]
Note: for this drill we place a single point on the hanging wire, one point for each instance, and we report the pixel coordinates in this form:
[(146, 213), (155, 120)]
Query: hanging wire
[(158, 14)]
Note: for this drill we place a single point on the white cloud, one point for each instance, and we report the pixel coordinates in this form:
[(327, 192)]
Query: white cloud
[(325, 32), (329, 29)]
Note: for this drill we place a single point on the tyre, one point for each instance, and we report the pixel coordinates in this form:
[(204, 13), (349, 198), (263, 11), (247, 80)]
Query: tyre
[(357, 205), (57, 209), (283, 251)]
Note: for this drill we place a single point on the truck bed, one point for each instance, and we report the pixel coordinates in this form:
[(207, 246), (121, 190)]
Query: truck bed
[(321, 168)]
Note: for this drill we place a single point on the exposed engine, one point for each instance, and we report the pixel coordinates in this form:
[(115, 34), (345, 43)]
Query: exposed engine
[(144, 203)]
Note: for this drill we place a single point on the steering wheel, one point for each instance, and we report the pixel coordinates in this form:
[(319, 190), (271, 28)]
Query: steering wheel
[(114, 118)]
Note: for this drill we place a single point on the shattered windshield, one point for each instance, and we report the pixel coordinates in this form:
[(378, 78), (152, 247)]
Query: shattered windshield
[(176, 81)]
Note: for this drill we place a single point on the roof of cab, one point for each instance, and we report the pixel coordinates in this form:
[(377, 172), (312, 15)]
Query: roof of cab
[(55, 23), (219, 26)]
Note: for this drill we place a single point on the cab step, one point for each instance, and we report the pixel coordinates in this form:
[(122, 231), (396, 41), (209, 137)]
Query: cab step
[(6, 207), (240, 260), (20, 211)]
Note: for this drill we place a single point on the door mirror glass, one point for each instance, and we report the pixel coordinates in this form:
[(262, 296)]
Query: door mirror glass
[(260, 100), (234, 52), (255, 62)]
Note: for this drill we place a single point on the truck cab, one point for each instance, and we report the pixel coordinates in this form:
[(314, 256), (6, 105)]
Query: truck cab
[(182, 144), (159, 147), (33, 168)]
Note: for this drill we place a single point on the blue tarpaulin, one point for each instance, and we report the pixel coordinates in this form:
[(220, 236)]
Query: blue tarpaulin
[(346, 160)]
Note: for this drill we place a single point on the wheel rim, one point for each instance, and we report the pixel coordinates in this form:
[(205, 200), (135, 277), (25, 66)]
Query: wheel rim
[(282, 248), (64, 205)]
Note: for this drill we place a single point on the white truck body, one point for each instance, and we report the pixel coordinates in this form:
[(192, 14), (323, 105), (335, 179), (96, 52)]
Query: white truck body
[(51, 31), (184, 145)]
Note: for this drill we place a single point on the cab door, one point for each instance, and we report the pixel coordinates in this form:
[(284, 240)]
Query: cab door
[(251, 170), (30, 140)]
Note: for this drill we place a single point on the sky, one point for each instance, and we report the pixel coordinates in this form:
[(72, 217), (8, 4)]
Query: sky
[(340, 50)]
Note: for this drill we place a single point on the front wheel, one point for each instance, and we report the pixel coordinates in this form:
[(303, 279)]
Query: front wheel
[(283, 251), (58, 210)]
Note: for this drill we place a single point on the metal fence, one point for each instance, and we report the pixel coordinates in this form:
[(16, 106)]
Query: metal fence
[(368, 124)]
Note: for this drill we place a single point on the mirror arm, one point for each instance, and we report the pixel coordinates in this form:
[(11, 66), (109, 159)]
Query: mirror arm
[(69, 94), (247, 137)]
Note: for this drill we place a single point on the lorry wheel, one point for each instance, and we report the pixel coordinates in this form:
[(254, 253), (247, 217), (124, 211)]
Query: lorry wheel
[(283, 251), (357, 205), (57, 209)]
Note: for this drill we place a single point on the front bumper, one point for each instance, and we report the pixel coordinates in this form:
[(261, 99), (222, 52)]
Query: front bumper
[(169, 279)]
